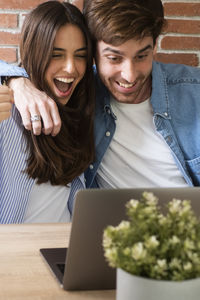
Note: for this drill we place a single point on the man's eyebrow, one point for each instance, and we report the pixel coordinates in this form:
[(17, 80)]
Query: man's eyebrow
[(112, 50), (121, 52), (145, 48)]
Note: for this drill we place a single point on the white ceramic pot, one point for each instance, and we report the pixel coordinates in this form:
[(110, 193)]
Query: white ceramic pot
[(130, 287)]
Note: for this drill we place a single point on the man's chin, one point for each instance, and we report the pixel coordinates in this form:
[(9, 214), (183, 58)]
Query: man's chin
[(123, 98)]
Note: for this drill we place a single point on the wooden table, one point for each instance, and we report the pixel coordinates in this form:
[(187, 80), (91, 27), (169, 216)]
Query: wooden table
[(23, 273)]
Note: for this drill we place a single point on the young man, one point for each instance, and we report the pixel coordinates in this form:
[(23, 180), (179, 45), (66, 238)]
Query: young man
[(147, 123)]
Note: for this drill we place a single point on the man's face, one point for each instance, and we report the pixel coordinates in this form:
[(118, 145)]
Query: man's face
[(126, 69)]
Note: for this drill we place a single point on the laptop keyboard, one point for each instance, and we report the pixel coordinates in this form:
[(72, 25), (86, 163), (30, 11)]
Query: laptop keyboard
[(61, 267)]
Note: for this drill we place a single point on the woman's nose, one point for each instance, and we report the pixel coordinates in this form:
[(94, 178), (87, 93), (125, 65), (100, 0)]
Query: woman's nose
[(69, 66)]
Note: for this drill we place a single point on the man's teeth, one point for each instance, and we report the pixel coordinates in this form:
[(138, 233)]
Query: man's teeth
[(65, 80), (126, 85)]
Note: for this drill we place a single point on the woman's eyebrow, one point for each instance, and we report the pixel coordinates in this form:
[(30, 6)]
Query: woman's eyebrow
[(78, 50), (58, 49), (81, 49)]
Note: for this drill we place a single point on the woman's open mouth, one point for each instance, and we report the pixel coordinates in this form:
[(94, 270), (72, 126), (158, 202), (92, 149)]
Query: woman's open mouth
[(63, 85)]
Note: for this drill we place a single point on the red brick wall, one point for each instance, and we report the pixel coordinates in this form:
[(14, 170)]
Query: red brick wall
[(12, 14), (181, 41), (179, 44)]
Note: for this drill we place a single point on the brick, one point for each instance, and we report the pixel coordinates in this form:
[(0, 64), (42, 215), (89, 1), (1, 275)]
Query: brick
[(178, 58), (177, 27), (183, 26), (180, 43), (8, 54), (8, 38), (182, 9), (20, 4), (8, 20)]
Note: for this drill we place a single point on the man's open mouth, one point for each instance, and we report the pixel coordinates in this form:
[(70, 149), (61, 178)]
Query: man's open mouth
[(125, 85)]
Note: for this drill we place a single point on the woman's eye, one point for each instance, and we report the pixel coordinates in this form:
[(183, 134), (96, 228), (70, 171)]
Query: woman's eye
[(81, 55), (56, 55)]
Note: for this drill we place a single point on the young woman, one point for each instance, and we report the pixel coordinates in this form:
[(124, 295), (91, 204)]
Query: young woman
[(36, 171)]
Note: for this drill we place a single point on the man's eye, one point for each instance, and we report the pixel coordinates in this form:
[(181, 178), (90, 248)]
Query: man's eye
[(113, 58), (141, 57)]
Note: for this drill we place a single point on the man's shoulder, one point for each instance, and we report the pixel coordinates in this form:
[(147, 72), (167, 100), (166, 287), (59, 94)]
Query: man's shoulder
[(175, 73), (7, 69)]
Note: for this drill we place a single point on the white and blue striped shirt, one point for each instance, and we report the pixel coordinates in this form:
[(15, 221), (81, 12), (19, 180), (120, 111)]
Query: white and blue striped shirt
[(15, 185)]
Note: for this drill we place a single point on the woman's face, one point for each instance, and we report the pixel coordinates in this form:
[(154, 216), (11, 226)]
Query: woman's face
[(68, 63)]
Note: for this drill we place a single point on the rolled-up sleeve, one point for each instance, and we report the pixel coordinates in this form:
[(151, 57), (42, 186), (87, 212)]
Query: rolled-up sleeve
[(9, 70)]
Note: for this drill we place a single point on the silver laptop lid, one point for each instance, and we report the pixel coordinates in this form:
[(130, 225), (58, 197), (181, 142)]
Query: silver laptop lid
[(86, 268)]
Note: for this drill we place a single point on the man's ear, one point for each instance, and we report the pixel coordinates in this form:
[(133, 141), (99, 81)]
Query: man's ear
[(79, 4)]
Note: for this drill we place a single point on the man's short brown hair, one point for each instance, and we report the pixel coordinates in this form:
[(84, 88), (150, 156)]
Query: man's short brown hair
[(116, 21)]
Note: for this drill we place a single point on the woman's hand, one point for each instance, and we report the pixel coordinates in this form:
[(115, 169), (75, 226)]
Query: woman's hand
[(33, 103), (6, 100)]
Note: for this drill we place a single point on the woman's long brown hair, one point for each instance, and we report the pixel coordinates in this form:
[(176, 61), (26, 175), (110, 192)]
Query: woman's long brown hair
[(61, 158)]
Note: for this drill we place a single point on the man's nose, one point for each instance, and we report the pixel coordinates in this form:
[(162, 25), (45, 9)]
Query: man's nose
[(129, 72)]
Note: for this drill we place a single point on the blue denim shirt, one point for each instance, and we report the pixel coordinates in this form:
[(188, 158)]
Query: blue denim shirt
[(175, 101), (11, 70)]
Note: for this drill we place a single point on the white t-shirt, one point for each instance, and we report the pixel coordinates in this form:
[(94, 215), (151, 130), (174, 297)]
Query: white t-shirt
[(48, 203), (137, 156)]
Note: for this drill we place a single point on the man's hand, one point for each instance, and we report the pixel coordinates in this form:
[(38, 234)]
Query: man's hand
[(6, 100), (31, 102)]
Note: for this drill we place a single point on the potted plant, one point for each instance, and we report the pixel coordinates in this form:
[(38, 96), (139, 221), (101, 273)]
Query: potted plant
[(157, 255)]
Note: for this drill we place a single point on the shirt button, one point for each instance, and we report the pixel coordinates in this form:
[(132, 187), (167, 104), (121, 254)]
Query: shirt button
[(91, 167), (107, 133), (166, 114), (169, 139)]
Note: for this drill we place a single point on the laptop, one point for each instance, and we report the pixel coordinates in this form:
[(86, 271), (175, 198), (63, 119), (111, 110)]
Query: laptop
[(82, 266)]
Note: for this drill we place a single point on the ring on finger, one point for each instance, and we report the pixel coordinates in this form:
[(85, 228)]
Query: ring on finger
[(35, 118)]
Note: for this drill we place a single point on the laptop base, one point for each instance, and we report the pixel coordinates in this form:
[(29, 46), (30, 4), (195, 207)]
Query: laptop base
[(55, 258)]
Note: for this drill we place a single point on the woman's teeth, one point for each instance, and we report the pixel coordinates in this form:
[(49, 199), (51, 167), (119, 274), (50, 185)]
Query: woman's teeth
[(66, 80)]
